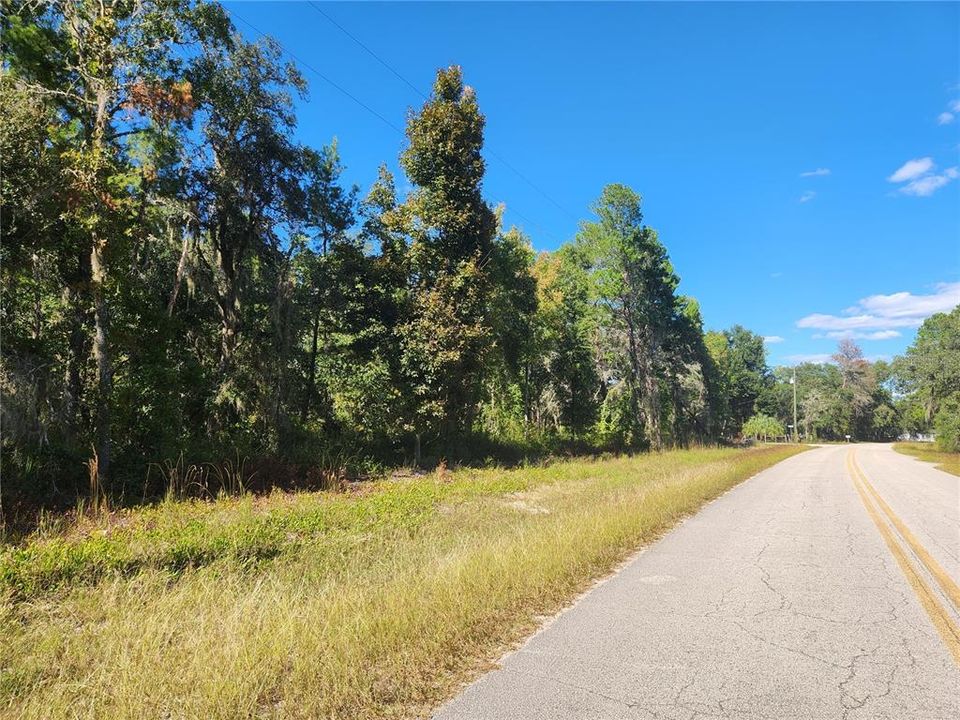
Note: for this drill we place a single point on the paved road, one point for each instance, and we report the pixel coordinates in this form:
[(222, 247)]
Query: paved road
[(796, 595)]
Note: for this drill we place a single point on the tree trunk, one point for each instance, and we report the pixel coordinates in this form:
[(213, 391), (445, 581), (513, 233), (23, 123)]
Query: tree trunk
[(312, 383), (228, 263), (39, 426), (229, 324), (281, 315), (636, 367), (37, 307), (72, 383), (98, 287), (229, 308), (101, 353), (181, 271), (653, 407)]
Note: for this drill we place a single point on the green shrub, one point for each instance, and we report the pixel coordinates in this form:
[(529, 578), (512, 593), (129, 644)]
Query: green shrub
[(763, 426), (947, 426)]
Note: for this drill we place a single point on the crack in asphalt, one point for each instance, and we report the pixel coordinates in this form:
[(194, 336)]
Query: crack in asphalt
[(788, 605), (787, 648), (575, 686)]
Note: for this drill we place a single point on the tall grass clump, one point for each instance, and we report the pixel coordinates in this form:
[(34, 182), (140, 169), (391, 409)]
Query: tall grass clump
[(97, 497)]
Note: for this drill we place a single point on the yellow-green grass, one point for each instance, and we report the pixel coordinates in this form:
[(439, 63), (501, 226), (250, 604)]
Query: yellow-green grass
[(363, 605), (946, 461)]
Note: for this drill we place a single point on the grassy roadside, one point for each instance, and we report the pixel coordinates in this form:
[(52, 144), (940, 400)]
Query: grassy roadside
[(371, 605), (948, 462)]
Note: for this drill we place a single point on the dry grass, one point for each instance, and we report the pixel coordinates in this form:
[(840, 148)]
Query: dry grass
[(372, 605), (948, 462)]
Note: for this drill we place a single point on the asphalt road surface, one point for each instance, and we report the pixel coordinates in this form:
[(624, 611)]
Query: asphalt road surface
[(824, 587)]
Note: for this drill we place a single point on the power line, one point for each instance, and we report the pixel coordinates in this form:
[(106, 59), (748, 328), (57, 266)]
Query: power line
[(317, 72), (529, 182), (366, 107), (371, 52), (413, 87)]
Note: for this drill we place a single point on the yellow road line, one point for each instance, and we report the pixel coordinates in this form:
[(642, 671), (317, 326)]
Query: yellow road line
[(938, 615), (950, 588)]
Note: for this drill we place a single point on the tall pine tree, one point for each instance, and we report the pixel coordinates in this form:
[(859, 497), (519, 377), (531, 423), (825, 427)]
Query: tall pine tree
[(451, 229)]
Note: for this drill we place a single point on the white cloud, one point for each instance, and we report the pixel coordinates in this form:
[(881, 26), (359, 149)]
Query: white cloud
[(955, 106), (912, 169), (776, 274), (920, 178), (905, 304), (807, 196), (820, 321), (772, 339), (816, 173), (810, 358), (857, 335), (929, 184), (887, 312), (945, 118)]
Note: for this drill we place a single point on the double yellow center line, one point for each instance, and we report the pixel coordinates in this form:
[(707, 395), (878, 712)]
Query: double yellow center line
[(898, 538)]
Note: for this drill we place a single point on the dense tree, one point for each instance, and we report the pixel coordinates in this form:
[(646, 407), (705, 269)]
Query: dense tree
[(693, 378), (512, 311), (181, 277), (929, 376), (333, 271), (366, 304), (740, 358), (247, 189), (930, 369), (844, 397), (451, 229), (634, 285), (107, 72), (566, 379)]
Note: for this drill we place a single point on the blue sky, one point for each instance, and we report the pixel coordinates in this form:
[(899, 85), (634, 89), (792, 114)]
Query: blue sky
[(799, 161)]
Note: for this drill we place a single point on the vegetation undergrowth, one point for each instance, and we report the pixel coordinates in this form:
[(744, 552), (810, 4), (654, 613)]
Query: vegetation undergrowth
[(946, 461), (353, 605)]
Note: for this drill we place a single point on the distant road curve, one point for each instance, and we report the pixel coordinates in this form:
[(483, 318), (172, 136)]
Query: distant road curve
[(824, 587)]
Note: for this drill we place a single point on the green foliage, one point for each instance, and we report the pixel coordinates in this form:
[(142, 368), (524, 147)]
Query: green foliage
[(929, 372), (946, 423), (506, 409), (740, 358), (885, 423), (642, 326), (513, 299), (368, 600), (181, 278), (451, 227), (763, 426), (849, 396), (566, 376), (443, 345), (928, 452)]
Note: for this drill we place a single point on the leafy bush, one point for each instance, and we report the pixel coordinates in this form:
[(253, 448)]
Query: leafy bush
[(947, 426), (763, 426)]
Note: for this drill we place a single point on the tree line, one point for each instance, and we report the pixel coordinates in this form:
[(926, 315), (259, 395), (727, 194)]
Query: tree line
[(915, 394), (181, 277)]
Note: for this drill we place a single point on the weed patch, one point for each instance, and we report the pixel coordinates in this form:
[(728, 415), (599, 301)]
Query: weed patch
[(336, 605), (946, 461)]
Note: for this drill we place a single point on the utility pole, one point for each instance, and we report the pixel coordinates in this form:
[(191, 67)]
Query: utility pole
[(793, 381)]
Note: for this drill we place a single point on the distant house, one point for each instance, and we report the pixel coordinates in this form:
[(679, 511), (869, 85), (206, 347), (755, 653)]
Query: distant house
[(918, 437)]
